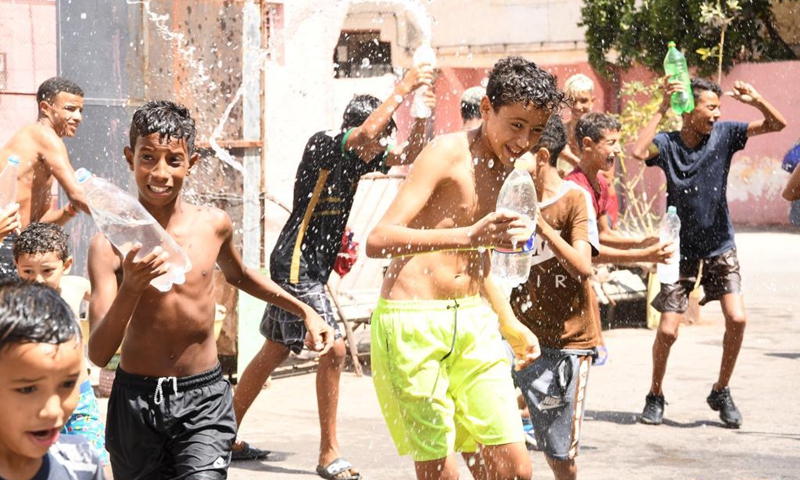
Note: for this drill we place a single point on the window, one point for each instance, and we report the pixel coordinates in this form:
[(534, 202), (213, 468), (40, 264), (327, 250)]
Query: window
[(361, 54)]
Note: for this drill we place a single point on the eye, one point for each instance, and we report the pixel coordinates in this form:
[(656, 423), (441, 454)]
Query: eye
[(69, 384), (26, 390), (516, 125), (147, 157), (176, 161)]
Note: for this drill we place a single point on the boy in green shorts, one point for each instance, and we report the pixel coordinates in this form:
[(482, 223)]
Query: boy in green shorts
[(555, 303), (439, 366)]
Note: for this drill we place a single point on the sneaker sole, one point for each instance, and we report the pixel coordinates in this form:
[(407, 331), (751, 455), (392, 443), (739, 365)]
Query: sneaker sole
[(725, 423), (647, 421)]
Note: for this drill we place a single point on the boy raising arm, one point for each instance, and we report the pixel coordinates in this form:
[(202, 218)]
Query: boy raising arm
[(170, 413)]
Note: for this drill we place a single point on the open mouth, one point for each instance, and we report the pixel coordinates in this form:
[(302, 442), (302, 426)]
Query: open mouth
[(45, 438), (159, 190), (514, 153)]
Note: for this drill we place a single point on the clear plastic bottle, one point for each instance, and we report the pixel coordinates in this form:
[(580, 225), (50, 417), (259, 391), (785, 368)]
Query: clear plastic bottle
[(670, 231), (423, 54), (124, 221), (8, 183), (675, 67), (518, 194)]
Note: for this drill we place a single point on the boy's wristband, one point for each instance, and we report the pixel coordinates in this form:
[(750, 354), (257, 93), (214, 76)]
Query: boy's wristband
[(70, 210)]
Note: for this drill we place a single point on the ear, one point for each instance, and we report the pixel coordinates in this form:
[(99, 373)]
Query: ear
[(128, 157), (542, 157), (486, 106), (192, 161), (586, 142), (44, 107), (68, 265)]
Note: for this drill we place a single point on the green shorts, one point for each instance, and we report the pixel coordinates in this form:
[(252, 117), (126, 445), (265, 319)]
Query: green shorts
[(442, 377)]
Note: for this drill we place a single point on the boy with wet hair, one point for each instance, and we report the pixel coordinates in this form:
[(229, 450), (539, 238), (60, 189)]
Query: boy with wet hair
[(555, 303), (305, 253), (439, 366), (41, 359), (471, 107), (579, 95), (43, 157), (696, 161), (41, 255), (170, 414)]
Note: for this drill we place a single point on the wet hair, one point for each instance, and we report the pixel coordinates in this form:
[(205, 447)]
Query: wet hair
[(700, 84), (359, 109), (471, 103), (34, 313), (554, 138), (42, 238), (516, 80), (53, 86), (592, 125), (166, 118), (576, 84)]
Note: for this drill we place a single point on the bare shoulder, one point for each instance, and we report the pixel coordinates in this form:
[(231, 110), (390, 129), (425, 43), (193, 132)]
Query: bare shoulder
[(103, 253), (445, 151), (200, 216)]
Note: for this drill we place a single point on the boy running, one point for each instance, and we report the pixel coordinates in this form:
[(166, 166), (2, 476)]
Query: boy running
[(555, 303), (696, 161), (170, 414), (439, 367)]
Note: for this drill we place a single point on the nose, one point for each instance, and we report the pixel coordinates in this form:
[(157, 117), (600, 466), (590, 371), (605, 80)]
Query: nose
[(159, 171), (52, 410), (39, 278)]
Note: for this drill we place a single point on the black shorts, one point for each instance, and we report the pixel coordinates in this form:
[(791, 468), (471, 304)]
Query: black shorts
[(155, 430), (288, 329), (720, 276), (7, 267)]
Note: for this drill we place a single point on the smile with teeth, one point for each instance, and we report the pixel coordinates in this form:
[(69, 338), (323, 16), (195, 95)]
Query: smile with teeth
[(155, 189)]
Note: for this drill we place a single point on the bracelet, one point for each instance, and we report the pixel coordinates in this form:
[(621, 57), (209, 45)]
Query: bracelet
[(70, 210)]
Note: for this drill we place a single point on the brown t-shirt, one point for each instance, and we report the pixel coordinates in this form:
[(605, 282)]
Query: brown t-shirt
[(552, 303)]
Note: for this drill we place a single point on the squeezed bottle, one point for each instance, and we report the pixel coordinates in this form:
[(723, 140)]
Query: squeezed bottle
[(670, 231), (8, 183), (675, 67), (125, 222), (518, 194), (423, 54)]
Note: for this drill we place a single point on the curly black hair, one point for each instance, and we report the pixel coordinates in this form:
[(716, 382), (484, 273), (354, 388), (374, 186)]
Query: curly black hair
[(700, 84), (592, 125), (41, 238), (554, 138), (53, 86), (516, 80), (166, 118), (34, 313)]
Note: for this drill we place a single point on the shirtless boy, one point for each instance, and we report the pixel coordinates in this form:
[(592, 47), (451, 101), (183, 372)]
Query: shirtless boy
[(170, 414), (439, 366)]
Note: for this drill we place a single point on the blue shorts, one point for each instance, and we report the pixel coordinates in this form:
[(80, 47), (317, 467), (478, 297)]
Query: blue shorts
[(85, 421), (288, 329)]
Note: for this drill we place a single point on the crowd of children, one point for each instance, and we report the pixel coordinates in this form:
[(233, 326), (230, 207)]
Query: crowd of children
[(442, 376)]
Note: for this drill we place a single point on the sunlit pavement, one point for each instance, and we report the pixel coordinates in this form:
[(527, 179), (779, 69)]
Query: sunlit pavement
[(690, 444)]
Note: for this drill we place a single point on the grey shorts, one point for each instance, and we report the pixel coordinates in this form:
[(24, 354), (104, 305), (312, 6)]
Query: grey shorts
[(554, 387), (280, 326), (719, 276), (7, 267)]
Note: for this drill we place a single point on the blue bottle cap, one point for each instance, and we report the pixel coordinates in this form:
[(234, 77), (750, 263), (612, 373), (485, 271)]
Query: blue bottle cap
[(13, 160), (82, 174)]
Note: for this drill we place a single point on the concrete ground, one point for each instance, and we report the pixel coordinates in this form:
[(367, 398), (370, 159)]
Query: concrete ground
[(691, 444)]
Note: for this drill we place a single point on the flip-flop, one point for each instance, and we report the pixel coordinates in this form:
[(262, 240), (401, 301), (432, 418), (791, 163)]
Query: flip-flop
[(337, 467), (248, 452), (600, 356)]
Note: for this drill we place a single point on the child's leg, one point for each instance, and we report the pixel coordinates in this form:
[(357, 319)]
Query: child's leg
[(251, 382), (475, 465), (329, 372), (666, 335), (507, 462), (442, 469), (563, 469), (735, 323)]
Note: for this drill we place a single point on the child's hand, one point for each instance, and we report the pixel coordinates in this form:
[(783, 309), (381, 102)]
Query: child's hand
[(319, 335), (504, 229), (661, 253), (523, 342), (9, 220), (416, 77), (137, 274), (670, 87), (744, 92)]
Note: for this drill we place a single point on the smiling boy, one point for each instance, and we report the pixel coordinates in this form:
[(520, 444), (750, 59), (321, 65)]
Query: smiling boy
[(41, 357), (170, 414)]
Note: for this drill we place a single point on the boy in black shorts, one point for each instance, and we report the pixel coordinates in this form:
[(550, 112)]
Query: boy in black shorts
[(170, 414), (696, 161)]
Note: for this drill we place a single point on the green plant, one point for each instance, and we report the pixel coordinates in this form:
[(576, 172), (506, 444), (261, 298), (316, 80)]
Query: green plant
[(715, 16)]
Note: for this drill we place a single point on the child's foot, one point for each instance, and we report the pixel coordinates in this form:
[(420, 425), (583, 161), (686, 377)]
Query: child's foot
[(242, 450), (722, 402), (653, 413)]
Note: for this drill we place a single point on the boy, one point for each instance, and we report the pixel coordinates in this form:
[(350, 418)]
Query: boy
[(579, 93), (439, 367), (696, 160), (555, 303), (41, 359), (41, 255), (305, 253), (471, 107), (170, 412)]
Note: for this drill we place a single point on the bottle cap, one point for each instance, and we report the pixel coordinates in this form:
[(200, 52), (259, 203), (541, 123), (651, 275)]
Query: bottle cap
[(672, 209), (425, 54), (81, 175), (13, 160), (671, 45)]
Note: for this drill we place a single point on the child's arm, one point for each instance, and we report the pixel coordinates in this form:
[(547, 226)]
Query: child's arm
[(9, 220), (320, 335), (393, 237), (644, 148), (417, 138), (773, 121), (569, 157), (57, 160), (111, 306), (792, 191), (522, 340), (576, 258)]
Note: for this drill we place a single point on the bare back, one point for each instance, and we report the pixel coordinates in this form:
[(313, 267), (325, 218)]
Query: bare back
[(463, 191)]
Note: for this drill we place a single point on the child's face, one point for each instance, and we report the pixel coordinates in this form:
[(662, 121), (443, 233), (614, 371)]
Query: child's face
[(159, 168), (45, 268), (513, 129), (705, 114), (38, 392), (65, 113), (605, 152), (582, 103)]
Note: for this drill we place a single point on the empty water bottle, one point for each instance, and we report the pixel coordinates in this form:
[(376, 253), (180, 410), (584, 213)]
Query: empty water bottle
[(518, 194), (125, 222), (423, 54), (675, 67), (670, 231), (8, 183)]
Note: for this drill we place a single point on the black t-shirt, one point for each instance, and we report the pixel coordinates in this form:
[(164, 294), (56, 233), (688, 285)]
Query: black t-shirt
[(697, 182), (324, 189)]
